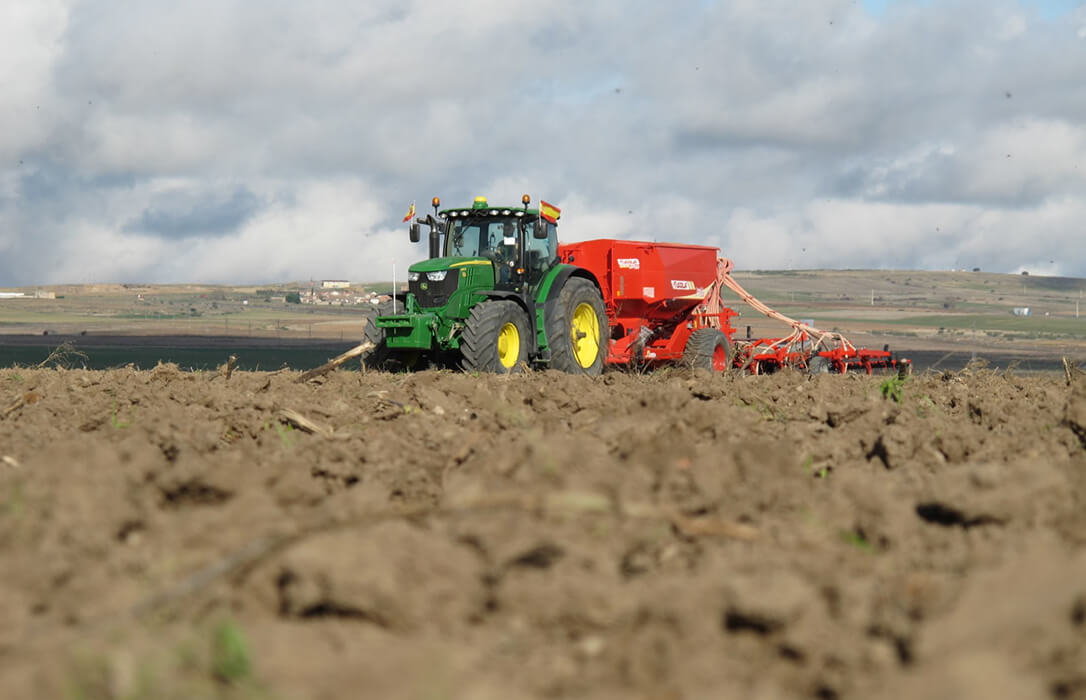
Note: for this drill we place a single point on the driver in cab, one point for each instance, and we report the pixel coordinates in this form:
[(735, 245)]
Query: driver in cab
[(506, 253)]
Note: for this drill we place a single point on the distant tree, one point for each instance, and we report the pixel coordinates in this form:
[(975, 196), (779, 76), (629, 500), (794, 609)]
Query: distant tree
[(294, 298)]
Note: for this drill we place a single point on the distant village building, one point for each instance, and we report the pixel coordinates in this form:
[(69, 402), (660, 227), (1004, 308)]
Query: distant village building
[(1021, 311), (324, 296), (335, 284), (37, 294)]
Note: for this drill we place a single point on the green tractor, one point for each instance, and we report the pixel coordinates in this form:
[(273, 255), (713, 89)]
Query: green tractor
[(492, 297)]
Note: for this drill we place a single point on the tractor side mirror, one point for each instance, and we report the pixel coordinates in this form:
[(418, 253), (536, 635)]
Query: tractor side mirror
[(539, 230), (413, 231)]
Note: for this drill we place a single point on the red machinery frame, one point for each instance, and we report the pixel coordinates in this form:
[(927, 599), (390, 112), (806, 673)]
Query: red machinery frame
[(658, 294)]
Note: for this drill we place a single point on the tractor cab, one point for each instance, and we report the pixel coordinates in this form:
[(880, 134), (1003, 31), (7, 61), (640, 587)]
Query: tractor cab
[(516, 242)]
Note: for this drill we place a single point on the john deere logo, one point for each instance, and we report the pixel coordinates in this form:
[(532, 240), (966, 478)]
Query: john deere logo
[(424, 286)]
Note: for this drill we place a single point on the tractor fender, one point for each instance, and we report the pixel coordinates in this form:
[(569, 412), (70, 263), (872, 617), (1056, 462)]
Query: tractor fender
[(548, 298), (559, 281), (505, 294)]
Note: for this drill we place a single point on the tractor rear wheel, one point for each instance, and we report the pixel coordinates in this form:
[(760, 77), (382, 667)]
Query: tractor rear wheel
[(577, 330), (708, 348), (495, 338)]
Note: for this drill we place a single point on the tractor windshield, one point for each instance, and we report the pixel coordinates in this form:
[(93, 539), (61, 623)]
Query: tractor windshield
[(483, 237)]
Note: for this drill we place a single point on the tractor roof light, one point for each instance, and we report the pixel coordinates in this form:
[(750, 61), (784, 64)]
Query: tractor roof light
[(480, 203), (436, 201), (525, 200)]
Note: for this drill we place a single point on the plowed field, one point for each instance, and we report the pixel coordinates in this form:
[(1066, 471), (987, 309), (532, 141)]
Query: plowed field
[(439, 535)]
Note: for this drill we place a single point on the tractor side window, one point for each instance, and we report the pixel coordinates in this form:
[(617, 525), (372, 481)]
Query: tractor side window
[(541, 252)]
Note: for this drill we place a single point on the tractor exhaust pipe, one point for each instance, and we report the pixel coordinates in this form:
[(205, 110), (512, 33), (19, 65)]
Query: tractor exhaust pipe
[(435, 243)]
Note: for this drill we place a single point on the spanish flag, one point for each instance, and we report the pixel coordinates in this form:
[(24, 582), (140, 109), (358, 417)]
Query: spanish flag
[(410, 212), (549, 212)]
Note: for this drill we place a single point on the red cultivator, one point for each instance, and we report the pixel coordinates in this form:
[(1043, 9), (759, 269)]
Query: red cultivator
[(664, 304)]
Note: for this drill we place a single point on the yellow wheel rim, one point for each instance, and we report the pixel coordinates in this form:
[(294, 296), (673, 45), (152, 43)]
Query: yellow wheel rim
[(585, 335), (508, 345)]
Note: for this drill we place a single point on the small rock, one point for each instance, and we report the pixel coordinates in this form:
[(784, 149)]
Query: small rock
[(591, 646)]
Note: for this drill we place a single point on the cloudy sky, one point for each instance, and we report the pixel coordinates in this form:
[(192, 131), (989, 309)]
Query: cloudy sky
[(273, 140)]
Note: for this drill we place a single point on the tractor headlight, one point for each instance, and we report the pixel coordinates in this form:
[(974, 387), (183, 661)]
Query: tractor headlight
[(412, 277), (438, 276)]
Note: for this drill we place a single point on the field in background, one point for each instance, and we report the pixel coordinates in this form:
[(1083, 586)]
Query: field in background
[(909, 310), (258, 312), (955, 311)]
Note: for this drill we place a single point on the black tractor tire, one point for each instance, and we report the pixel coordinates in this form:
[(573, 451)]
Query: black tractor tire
[(377, 356), (708, 348), (570, 353), (818, 365), (491, 325)]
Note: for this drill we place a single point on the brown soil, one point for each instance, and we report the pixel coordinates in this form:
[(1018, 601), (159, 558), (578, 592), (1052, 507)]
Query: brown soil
[(170, 534)]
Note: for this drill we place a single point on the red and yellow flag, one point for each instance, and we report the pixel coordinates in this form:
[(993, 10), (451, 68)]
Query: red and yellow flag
[(549, 212), (410, 212)]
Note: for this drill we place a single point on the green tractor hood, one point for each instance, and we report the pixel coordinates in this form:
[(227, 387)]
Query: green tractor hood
[(435, 264)]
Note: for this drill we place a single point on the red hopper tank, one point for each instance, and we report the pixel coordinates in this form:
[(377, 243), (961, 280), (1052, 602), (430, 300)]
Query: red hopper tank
[(652, 292)]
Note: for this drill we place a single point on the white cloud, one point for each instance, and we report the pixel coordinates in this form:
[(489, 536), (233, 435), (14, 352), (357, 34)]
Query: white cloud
[(31, 34), (237, 140), (849, 233)]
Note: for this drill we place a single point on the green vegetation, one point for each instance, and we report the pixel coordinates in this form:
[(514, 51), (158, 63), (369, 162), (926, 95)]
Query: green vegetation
[(926, 406), (215, 663), (116, 422), (13, 502), (1006, 322), (858, 540), (286, 434), (891, 388), (1026, 326), (230, 660)]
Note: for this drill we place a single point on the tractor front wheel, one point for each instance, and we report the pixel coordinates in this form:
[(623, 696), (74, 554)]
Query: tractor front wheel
[(377, 356), (708, 348), (577, 330), (495, 338)]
